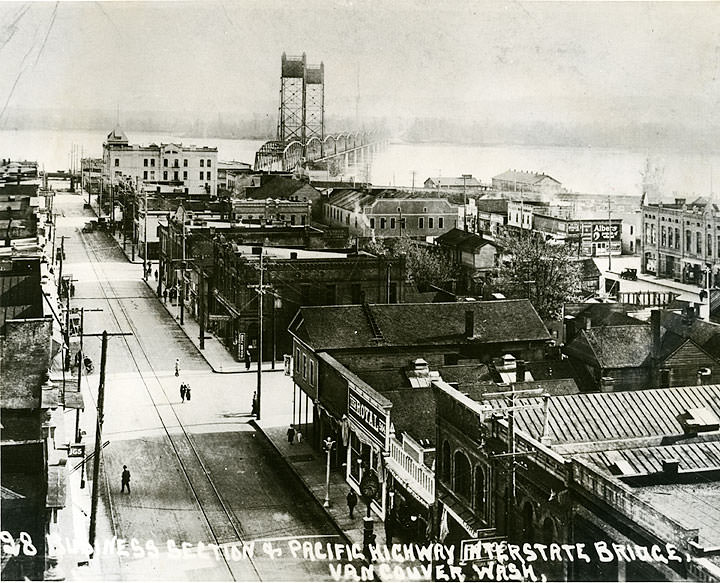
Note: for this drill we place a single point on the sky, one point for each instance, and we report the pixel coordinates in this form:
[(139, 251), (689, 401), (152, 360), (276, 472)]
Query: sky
[(458, 59)]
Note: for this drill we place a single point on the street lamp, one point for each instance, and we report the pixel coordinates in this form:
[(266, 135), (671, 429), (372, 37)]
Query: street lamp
[(328, 444)]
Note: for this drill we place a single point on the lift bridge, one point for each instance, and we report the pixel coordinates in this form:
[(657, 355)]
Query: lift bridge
[(301, 135)]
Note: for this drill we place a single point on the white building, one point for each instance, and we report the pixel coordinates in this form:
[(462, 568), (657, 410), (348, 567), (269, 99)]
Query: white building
[(191, 168)]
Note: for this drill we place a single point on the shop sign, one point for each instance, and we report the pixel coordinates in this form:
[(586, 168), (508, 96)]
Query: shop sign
[(604, 232), (367, 415)]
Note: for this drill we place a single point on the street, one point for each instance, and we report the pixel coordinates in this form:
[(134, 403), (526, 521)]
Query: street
[(199, 472)]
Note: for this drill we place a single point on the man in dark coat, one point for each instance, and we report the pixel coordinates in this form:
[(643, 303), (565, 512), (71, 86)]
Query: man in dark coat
[(291, 434), (351, 501), (125, 480)]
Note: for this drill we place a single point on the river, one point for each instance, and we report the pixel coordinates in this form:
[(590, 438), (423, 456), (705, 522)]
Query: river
[(579, 169)]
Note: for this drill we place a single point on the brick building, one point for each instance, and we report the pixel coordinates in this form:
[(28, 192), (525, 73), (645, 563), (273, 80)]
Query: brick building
[(390, 213), (354, 364), (629, 468)]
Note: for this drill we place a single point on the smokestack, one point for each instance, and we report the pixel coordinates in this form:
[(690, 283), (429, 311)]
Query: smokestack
[(469, 323), (655, 327), (670, 466)]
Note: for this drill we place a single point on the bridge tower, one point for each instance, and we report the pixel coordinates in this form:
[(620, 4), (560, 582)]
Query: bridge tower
[(302, 102)]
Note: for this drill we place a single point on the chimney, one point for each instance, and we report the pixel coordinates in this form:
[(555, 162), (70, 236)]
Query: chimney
[(607, 384), (469, 323), (293, 255), (420, 365), (680, 201), (670, 466), (520, 371), (588, 323), (256, 250), (655, 327)]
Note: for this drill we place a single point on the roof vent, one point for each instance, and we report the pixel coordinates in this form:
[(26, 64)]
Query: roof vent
[(420, 364), (698, 420)]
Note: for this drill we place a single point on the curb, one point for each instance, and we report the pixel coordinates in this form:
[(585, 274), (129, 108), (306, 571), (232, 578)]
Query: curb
[(260, 430)]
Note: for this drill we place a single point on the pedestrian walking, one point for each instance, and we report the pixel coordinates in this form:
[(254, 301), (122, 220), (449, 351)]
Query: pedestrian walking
[(165, 296), (177, 367), (248, 359), (187, 392), (254, 411), (156, 275), (352, 501), (125, 480), (183, 390), (298, 436), (291, 434)]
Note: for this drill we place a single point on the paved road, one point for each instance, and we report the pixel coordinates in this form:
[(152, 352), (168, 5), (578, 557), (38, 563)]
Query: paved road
[(199, 471)]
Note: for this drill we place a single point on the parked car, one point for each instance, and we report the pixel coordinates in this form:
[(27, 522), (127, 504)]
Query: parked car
[(629, 273)]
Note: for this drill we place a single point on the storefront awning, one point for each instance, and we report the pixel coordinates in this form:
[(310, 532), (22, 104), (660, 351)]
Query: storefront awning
[(226, 304), (460, 517)]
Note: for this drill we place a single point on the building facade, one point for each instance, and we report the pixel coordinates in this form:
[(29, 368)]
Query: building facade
[(389, 213), (681, 241), (192, 169)]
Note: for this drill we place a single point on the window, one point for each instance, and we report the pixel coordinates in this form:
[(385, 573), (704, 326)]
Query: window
[(441, 222), (185, 163), (461, 476), (709, 245), (184, 174), (176, 163), (446, 463), (209, 163), (208, 174), (202, 176), (330, 294), (392, 223), (145, 174), (292, 219), (393, 293), (312, 369), (175, 175), (145, 162), (430, 223), (698, 243), (372, 223), (165, 175), (479, 491), (670, 236), (117, 161), (152, 174), (304, 366), (677, 238), (421, 223), (663, 236), (165, 162), (302, 219), (152, 162), (382, 223), (632, 228), (356, 293), (297, 360), (202, 163), (688, 241)]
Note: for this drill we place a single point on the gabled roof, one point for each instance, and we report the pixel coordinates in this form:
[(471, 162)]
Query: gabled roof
[(603, 314), (614, 346), (705, 334), (462, 239), (523, 177), (428, 324), (279, 187)]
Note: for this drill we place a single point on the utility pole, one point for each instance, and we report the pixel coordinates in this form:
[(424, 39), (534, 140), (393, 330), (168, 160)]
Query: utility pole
[(145, 236), (80, 367), (201, 307), (62, 255), (465, 177), (98, 432), (98, 439), (609, 237), (260, 338), (182, 274), (509, 412)]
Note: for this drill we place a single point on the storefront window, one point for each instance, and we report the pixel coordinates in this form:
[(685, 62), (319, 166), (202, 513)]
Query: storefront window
[(663, 236)]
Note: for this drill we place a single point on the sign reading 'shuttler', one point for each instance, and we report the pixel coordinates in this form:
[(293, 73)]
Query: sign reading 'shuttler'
[(603, 232)]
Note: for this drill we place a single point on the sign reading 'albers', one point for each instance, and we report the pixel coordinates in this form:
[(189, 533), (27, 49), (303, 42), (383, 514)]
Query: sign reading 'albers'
[(367, 415), (604, 232)]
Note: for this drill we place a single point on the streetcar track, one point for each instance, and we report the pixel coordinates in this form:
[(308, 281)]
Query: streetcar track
[(218, 529)]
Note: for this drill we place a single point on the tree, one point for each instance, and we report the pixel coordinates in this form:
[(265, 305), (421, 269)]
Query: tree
[(425, 264), (543, 272)]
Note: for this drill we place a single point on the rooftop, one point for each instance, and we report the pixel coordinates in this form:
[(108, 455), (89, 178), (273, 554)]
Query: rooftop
[(428, 324)]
